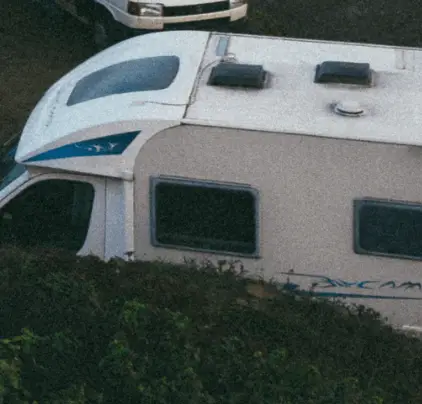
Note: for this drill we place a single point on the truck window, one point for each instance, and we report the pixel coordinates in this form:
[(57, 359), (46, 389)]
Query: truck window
[(388, 228), (204, 216), (50, 213), (9, 169)]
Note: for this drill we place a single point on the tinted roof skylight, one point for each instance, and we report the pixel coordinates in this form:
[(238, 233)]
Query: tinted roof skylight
[(343, 72), (146, 74)]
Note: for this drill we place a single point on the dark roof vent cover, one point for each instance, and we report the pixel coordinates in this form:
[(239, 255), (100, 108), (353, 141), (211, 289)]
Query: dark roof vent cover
[(237, 75), (343, 72)]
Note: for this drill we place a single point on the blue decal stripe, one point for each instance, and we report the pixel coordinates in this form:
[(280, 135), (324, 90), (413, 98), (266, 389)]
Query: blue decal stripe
[(103, 146), (355, 295), (324, 282)]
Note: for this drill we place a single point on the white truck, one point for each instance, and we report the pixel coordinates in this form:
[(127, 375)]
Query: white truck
[(114, 20), (299, 158)]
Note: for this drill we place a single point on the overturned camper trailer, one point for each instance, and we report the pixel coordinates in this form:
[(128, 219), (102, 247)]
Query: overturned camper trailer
[(301, 158)]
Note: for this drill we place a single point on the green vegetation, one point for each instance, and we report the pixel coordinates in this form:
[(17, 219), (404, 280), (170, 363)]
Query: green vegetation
[(78, 330)]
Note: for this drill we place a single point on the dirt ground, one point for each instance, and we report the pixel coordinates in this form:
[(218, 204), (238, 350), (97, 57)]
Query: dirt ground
[(35, 50)]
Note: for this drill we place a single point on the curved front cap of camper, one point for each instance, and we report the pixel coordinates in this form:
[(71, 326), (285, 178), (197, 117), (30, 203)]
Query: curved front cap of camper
[(95, 118)]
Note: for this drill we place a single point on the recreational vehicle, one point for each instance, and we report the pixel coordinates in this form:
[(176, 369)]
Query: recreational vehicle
[(298, 158)]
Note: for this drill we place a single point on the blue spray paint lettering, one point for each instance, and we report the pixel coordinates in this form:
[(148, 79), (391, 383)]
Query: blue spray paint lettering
[(314, 283)]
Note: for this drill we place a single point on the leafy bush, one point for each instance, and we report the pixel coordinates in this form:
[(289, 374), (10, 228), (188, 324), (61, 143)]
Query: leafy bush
[(78, 330)]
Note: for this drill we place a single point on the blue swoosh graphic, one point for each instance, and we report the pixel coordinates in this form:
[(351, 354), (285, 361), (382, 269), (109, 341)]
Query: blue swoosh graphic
[(102, 146)]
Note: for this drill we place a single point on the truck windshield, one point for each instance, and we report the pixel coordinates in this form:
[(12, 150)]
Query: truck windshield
[(9, 169)]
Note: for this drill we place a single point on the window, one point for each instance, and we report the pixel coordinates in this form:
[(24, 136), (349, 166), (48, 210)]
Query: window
[(50, 213), (9, 169), (204, 216), (147, 74), (388, 228)]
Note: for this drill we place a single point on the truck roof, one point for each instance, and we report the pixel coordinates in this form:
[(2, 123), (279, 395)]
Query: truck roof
[(390, 106), (111, 104)]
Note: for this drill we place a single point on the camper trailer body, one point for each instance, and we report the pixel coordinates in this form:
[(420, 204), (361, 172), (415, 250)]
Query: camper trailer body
[(315, 185)]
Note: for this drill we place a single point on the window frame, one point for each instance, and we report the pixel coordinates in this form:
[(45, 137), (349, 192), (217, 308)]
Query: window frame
[(95, 239), (93, 80), (155, 180), (358, 203)]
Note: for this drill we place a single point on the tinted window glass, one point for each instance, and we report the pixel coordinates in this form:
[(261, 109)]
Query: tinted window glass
[(51, 213), (9, 169), (205, 217), (388, 228), (147, 74)]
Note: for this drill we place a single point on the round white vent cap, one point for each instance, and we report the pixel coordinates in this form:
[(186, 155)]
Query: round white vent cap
[(348, 108)]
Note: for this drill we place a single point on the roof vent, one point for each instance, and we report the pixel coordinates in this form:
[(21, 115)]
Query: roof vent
[(348, 108), (237, 75), (343, 72)]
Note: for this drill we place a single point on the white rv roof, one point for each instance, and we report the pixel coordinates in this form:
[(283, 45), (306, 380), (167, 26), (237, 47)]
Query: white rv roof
[(291, 102), (89, 122), (100, 98)]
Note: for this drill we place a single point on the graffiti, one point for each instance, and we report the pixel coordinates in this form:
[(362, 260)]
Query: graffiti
[(335, 283), (324, 286), (404, 285)]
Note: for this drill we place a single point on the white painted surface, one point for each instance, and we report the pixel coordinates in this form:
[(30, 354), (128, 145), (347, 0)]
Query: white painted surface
[(118, 9), (52, 123), (115, 218), (116, 166), (158, 23), (166, 3), (306, 188), (95, 239), (293, 103)]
